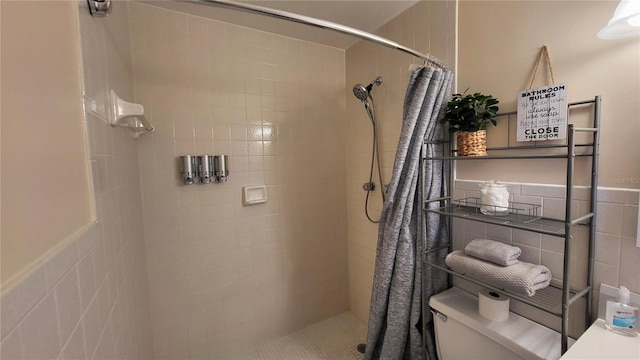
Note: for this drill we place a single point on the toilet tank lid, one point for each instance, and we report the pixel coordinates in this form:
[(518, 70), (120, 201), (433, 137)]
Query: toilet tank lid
[(518, 334)]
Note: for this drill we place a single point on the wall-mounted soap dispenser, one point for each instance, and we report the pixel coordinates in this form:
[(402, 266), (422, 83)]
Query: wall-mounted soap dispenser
[(205, 168), (189, 169), (221, 167)]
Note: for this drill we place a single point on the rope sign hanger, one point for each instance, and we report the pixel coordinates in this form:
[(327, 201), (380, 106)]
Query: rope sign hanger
[(544, 52)]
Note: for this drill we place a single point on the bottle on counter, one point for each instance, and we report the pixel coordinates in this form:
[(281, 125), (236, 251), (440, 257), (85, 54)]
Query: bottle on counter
[(621, 317)]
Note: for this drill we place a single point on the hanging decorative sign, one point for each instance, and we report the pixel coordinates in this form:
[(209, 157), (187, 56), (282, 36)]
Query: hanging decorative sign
[(542, 113)]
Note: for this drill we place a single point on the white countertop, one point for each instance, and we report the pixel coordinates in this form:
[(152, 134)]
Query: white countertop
[(599, 343)]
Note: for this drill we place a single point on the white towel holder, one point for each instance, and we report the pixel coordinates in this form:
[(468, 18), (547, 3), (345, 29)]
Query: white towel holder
[(129, 115)]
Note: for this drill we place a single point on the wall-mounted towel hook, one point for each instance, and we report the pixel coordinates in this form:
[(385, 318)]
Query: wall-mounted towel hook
[(129, 115)]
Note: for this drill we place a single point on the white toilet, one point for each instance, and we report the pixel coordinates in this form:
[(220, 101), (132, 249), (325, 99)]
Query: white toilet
[(461, 333)]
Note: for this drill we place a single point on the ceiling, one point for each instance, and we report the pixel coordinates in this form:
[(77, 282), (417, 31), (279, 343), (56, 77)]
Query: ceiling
[(367, 15)]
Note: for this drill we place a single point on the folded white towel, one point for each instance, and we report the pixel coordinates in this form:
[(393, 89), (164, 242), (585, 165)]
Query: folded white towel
[(493, 251), (522, 277)]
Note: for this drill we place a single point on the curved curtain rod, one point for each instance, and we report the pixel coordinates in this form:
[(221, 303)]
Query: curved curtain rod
[(307, 20)]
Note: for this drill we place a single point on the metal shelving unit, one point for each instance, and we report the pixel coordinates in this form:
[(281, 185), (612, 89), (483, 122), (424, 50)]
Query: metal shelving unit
[(553, 299)]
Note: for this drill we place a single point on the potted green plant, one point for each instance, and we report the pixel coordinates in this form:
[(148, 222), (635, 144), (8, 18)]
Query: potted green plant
[(469, 115)]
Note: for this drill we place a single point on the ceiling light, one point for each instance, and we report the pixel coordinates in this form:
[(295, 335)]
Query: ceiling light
[(625, 21)]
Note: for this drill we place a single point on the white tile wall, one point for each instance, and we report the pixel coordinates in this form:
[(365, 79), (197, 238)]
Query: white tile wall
[(223, 276), (88, 299), (616, 256), (49, 321)]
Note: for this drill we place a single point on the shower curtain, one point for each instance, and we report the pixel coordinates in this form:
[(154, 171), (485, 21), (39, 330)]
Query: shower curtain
[(395, 317)]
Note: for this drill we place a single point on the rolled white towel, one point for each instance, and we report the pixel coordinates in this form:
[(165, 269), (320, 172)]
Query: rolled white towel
[(493, 251), (521, 278)]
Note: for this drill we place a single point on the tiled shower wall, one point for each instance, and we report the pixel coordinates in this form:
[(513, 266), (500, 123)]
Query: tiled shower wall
[(225, 277), (428, 27), (89, 298), (617, 259)]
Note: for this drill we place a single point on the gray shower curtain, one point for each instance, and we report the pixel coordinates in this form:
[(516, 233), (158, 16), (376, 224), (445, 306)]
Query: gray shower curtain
[(395, 317)]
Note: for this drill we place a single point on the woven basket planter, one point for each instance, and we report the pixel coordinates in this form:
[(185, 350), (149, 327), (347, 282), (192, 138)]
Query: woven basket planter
[(472, 143)]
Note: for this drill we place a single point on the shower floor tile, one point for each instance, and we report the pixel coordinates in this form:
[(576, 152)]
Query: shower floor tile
[(333, 339)]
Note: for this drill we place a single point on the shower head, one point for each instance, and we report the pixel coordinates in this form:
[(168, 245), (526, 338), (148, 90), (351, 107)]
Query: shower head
[(362, 93)]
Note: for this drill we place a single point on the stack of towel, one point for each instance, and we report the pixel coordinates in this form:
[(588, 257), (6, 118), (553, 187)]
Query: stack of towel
[(497, 264)]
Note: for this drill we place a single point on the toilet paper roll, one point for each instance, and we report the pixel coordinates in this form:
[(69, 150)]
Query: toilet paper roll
[(493, 306)]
